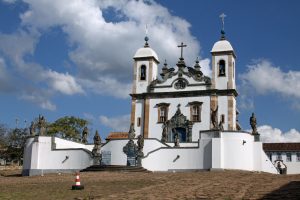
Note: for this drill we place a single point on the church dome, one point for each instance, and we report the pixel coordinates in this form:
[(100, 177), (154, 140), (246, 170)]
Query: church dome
[(222, 45), (146, 52)]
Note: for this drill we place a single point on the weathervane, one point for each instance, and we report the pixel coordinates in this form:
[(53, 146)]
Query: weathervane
[(181, 46)]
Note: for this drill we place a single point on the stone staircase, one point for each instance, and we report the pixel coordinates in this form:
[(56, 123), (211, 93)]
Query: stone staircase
[(114, 168)]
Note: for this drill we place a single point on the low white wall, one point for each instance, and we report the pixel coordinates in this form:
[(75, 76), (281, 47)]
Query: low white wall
[(39, 157), (66, 144), (237, 150), (179, 158)]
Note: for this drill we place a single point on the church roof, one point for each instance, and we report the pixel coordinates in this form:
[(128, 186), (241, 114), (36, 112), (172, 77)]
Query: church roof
[(221, 46), (146, 52), (281, 146), (117, 135)]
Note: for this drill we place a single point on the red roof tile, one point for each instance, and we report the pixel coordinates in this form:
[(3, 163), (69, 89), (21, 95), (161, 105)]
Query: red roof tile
[(281, 146)]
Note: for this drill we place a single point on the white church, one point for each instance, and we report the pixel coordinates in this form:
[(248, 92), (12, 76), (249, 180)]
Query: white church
[(187, 121)]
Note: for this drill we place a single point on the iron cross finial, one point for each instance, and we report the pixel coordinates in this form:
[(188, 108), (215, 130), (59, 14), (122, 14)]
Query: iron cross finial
[(222, 16), (181, 46)]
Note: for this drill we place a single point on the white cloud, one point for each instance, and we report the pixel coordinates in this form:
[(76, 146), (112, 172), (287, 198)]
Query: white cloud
[(64, 83), (269, 134), (40, 98), (104, 48), (102, 45), (264, 77), (205, 66), (119, 123)]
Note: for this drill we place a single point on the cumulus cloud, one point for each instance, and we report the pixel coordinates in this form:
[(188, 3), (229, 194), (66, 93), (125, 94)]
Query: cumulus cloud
[(264, 77), (64, 83), (118, 123), (39, 97), (274, 135), (103, 37)]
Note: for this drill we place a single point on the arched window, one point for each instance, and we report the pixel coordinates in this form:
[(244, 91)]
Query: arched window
[(143, 73), (222, 68)]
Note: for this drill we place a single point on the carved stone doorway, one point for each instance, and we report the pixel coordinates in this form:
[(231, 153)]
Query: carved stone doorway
[(178, 124)]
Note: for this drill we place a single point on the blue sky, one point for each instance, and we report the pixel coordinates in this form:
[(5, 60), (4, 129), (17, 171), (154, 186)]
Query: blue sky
[(61, 58)]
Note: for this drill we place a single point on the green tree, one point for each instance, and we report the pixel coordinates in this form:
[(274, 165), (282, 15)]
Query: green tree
[(16, 140), (68, 127)]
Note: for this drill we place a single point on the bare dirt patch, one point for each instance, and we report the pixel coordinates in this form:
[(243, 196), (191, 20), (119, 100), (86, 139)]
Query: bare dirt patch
[(116, 185)]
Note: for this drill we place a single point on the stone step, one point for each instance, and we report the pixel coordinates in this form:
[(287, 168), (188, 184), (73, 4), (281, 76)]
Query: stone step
[(115, 168)]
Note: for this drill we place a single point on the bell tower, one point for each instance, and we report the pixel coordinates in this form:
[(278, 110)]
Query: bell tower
[(144, 72), (223, 79)]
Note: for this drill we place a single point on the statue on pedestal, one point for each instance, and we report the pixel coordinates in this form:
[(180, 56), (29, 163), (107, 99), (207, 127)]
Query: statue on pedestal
[(42, 125), (214, 118), (32, 129), (176, 138), (85, 133), (253, 123), (97, 149), (131, 132)]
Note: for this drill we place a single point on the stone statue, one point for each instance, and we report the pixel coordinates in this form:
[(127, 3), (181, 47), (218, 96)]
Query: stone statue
[(221, 127), (214, 118), (85, 133), (253, 124), (164, 133), (32, 129), (131, 150), (140, 152), (176, 138), (97, 149), (97, 139), (131, 133), (42, 125), (140, 143)]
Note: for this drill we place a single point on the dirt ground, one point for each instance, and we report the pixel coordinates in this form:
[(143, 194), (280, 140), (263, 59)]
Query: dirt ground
[(137, 185)]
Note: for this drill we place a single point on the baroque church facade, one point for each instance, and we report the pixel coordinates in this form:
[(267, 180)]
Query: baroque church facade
[(182, 99), (181, 120)]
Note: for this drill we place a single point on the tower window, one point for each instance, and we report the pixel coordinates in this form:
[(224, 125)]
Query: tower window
[(143, 73), (222, 68)]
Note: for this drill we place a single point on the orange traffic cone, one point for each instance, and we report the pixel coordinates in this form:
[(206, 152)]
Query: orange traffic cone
[(77, 185)]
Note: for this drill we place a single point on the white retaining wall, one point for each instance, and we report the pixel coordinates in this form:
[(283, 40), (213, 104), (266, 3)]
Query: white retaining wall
[(39, 157)]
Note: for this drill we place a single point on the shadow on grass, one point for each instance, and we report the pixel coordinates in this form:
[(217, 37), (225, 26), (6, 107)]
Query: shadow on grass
[(289, 191)]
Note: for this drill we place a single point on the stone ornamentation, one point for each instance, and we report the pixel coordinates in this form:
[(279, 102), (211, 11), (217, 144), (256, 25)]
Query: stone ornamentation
[(253, 123), (97, 149), (131, 132), (84, 136), (177, 121), (131, 150), (42, 125), (32, 129), (214, 118)]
